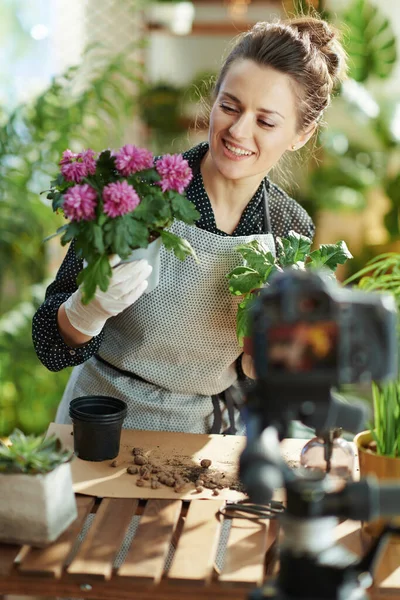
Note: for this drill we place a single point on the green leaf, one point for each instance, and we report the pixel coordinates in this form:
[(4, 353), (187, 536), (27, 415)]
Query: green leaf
[(386, 425), (392, 223), (243, 280), (98, 241), (57, 200), (72, 230), (258, 257), (138, 233), (329, 255), (183, 209), (153, 210), (371, 42), (105, 168), (59, 231), (180, 247), (148, 176), (97, 273), (244, 318), (59, 182), (292, 249), (117, 236)]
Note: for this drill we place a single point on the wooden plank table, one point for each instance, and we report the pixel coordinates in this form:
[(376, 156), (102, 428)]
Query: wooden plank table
[(173, 551)]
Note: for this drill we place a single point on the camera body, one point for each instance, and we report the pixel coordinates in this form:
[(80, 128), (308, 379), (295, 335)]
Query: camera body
[(307, 330)]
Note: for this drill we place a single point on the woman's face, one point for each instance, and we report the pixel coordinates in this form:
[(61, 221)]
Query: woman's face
[(253, 120)]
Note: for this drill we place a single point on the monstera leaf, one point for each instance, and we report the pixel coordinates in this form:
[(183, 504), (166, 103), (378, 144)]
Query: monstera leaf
[(371, 43)]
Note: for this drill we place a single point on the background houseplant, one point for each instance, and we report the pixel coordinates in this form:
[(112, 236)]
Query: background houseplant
[(28, 395), (38, 502), (160, 108), (355, 165), (92, 105)]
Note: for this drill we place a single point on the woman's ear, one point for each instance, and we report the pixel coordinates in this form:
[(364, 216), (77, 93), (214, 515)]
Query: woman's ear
[(303, 138)]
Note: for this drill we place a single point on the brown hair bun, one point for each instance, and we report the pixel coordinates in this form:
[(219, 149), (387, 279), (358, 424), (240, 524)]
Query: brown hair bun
[(326, 39)]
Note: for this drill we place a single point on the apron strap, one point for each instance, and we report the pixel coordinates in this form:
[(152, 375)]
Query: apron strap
[(227, 399), (216, 426), (230, 405), (267, 218)]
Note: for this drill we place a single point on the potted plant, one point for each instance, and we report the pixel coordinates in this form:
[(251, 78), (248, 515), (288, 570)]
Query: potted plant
[(293, 251), (175, 15), (379, 446), (38, 501), (160, 107), (121, 203), (161, 110)]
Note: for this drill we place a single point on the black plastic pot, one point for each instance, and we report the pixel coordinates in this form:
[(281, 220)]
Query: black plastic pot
[(97, 423)]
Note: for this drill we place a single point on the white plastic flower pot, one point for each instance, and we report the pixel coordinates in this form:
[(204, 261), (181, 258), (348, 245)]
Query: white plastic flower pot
[(36, 509), (176, 16), (152, 255)]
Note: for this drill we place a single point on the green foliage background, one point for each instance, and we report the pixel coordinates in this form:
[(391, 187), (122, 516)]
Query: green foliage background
[(89, 105)]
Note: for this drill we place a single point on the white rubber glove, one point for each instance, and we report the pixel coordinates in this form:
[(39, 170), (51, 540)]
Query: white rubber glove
[(127, 284)]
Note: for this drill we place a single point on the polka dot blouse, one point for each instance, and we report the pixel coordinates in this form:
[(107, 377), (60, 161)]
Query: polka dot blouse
[(285, 215)]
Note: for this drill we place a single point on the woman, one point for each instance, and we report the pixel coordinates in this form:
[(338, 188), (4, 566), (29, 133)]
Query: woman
[(171, 354)]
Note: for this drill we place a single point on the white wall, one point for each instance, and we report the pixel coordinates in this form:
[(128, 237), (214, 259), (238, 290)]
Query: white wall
[(67, 33)]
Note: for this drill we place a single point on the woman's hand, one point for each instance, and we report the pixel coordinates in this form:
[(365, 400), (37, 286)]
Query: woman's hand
[(127, 284), (248, 366)]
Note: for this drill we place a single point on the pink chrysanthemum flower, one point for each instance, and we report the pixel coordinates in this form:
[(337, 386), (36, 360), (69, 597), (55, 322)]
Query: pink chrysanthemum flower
[(175, 172), (75, 167), (80, 203), (74, 171), (131, 159), (119, 199), (67, 157), (88, 158)]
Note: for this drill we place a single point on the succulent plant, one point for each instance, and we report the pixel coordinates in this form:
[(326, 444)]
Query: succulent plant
[(32, 454)]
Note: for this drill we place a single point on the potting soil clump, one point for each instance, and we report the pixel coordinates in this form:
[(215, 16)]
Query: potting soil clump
[(181, 473)]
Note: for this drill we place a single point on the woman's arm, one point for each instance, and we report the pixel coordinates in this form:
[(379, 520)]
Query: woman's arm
[(73, 337), (58, 345)]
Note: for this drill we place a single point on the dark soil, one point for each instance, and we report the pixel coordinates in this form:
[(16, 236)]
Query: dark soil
[(181, 472)]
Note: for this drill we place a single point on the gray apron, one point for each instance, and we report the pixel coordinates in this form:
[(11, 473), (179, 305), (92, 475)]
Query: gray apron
[(170, 353)]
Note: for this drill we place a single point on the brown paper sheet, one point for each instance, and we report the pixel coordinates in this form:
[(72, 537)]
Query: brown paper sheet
[(176, 451)]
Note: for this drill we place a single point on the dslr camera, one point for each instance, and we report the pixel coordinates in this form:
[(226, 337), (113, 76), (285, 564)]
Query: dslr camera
[(309, 335), (307, 325)]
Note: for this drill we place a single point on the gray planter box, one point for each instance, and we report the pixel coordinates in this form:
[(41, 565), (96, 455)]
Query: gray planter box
[(36, 509)]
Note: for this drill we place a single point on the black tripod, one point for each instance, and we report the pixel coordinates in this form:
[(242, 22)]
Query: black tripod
[(312, 567)]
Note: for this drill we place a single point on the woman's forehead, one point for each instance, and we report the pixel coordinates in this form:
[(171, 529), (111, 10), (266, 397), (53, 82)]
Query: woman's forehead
[(262, 86)]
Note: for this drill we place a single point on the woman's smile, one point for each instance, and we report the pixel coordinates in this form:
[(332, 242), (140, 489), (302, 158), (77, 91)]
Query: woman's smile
[(235, 152)]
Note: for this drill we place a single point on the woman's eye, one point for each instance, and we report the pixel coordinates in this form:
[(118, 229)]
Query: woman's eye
[(266, 124), (227, 108)]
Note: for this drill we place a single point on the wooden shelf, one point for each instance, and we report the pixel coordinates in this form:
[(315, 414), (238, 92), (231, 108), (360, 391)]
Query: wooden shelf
[(223, 28), (224, 2)]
